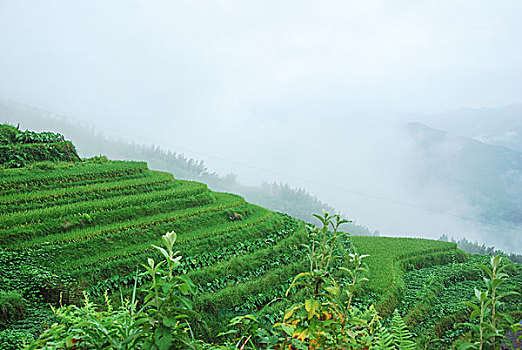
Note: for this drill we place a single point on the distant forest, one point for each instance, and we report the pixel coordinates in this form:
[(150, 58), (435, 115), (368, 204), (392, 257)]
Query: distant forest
[(476, 248)]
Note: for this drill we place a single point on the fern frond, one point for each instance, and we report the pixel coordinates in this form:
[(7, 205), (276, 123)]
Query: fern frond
[(401, 334)]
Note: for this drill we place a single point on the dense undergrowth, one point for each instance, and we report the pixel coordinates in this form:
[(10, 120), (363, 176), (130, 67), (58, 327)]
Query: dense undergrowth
[(20, 148)]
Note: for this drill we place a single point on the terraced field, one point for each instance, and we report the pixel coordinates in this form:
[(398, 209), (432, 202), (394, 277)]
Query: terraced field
[(390, 257), (93, 223)]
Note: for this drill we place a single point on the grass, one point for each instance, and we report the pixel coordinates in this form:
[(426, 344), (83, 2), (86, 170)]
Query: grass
[(386, 254), (40, 199)]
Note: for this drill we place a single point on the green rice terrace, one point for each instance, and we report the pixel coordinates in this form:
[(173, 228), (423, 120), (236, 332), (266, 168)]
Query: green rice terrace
[(70, 227)]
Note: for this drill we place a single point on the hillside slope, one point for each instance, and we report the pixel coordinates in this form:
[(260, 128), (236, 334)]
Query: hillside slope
[(69, 227), (89, 225)]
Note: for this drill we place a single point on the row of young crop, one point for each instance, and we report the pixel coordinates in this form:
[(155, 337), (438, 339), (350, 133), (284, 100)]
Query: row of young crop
[(153, 181), (407, 253), (252, 294), (96, 220), (262, 227), (217, 230), (249, 264), (182, 219), (62, 177), (240, 242), (107, 204), (263, 292), (382, 259), (121, 240)]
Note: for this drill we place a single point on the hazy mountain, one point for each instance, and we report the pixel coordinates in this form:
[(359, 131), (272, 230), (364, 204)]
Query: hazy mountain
[(497, 126), (488, 177)]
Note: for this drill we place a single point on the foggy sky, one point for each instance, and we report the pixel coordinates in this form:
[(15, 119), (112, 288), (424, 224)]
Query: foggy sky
[(299, 91)]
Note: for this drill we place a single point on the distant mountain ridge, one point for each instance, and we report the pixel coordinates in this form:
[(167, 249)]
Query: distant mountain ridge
[(495, 126)]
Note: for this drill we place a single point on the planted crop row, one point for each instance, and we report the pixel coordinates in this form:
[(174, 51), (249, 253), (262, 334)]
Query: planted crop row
[(67, 173), (253, 294), (226, 236), (99, 273), (434, 298), (217, 230), (122, 239), (59, 168), (45, 214), (154, 181), (224, 201), (382, 259), (247, 265), (242, 243), (99, 219), (91, 171), (386, 265)]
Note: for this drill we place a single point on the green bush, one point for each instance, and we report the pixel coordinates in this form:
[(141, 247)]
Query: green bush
[(13, 306), (20, 155), (11, 339), (8, 134)]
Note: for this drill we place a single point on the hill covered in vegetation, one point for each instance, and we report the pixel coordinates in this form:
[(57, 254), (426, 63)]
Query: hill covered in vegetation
[(87, 226)]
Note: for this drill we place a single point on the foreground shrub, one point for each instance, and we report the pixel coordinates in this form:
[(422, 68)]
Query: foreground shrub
[(492, 324), (160, 323), (11, 339), (12, 306)]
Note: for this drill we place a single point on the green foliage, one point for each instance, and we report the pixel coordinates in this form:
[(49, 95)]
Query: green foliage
[(20, 155), (8, 134), (13, 306), (20, 148), (167, 301), (90, 327), (34, 137), (13, 339), (484, 309), (401, 334), (388, 265), (160, 323)]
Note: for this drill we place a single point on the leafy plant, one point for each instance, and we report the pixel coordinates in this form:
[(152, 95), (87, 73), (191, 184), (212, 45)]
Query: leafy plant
[(167, 302), (326, 319), (491, 324), (161, 323)]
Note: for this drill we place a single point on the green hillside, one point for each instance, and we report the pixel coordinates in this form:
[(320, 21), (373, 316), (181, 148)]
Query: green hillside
[(69, 227), (94, 222)]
